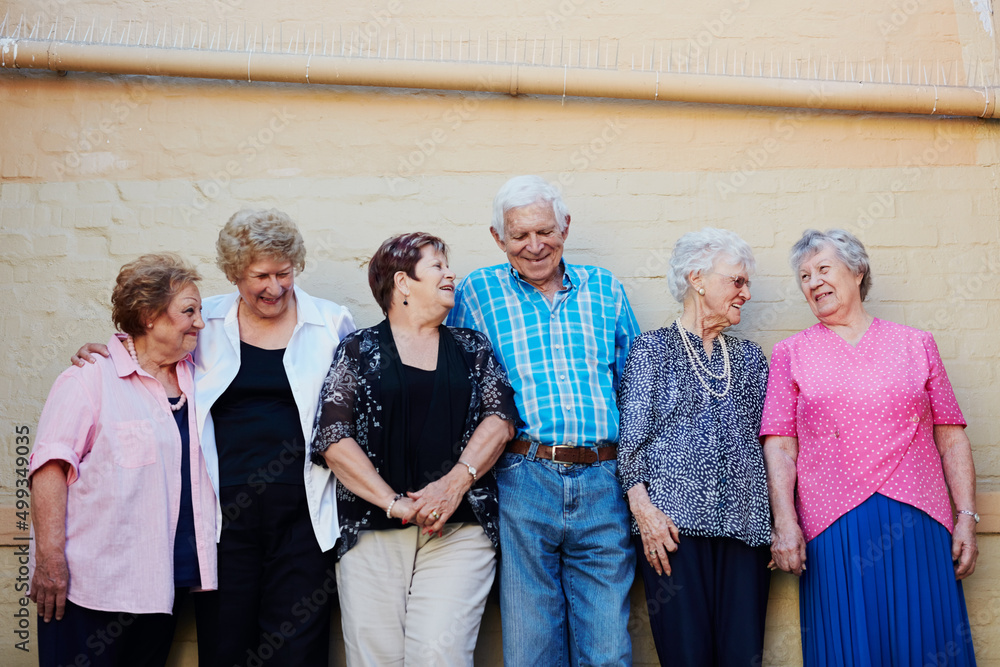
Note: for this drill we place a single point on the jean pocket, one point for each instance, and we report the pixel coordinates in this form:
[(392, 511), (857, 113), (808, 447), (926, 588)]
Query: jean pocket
[(134, 444), (507, 462), (611, 469)]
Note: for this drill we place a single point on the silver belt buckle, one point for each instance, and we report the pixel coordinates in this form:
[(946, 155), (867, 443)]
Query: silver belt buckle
[(553, 455)]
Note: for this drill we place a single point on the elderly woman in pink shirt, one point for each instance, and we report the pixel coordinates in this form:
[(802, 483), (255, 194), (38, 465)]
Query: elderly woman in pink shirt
[(863, 439), (122, 506)]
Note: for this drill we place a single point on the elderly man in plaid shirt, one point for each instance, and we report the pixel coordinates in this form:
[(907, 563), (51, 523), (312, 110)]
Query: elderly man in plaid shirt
[(562, 331)]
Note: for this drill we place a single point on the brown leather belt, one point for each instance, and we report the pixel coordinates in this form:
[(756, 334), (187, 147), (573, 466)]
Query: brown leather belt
[(564, 453)]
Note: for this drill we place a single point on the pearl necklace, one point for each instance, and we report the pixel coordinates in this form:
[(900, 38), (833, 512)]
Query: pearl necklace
[(700, 368), (130, 346)]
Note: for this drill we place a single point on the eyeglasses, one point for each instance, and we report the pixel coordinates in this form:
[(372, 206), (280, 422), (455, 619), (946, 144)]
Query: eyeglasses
[(738, 281)]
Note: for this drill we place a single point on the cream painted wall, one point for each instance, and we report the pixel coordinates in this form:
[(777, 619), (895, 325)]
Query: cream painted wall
[(96, 169)]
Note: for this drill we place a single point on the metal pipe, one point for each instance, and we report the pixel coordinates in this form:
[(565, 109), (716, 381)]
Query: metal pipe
[(509, 78)]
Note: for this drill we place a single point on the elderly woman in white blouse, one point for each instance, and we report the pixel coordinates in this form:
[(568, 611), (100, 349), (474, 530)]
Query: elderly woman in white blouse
[(691, 400), (259, 367)]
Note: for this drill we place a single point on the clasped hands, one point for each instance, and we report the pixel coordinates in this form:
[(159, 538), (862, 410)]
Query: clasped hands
[(432, 506)]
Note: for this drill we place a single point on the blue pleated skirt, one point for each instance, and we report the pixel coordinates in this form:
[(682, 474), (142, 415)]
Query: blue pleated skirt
[(880, 589)]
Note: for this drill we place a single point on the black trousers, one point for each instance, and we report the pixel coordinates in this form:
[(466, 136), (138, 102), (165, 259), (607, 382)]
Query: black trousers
[(113, 639), (710, 611), (275, 584)]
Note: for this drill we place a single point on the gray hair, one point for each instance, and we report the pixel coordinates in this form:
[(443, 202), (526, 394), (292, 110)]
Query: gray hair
[(847, 247), (699, 251), (525, 191)]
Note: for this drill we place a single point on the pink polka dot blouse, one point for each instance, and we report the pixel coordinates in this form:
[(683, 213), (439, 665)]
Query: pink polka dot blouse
[(864, 417)]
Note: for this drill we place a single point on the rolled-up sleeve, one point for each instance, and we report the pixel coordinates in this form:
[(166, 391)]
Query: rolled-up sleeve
[(66, 427)]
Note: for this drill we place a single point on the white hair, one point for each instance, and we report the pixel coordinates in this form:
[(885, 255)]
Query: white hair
[(847, 247), (525, 191), (699, 251)]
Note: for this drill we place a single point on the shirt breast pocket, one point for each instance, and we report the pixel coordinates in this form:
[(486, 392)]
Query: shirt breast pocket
[(134, 444)]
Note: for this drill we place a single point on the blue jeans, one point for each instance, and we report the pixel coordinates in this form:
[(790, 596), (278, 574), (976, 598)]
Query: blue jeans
[(566, 563)]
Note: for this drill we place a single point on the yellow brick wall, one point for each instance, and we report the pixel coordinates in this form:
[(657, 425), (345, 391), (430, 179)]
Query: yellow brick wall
[(96, 169)]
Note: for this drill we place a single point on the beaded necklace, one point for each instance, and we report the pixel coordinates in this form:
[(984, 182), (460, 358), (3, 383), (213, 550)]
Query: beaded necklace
[(700, 369), (130, 346)]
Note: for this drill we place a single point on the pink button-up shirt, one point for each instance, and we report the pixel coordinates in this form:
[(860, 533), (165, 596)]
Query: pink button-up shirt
[(111, 422), (864, 417)]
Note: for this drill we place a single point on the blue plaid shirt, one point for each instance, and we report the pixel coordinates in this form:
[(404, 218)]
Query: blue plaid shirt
[(564, 358)]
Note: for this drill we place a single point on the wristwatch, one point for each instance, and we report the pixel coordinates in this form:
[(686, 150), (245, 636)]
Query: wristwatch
[(974, 515), (472, 471)]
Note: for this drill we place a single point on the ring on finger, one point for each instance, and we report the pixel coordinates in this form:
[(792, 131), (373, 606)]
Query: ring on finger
[(652, 552), (435, 515)]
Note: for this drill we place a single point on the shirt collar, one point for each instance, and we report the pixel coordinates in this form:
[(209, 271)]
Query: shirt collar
[(567, 279), (306, 310)]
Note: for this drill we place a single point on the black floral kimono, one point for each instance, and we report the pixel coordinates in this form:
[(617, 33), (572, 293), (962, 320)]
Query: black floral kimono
[(353, 404)]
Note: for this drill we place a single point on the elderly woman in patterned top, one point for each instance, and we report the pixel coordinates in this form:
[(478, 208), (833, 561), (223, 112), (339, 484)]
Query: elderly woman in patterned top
[(692, 466), (863, 440), (412, 417)]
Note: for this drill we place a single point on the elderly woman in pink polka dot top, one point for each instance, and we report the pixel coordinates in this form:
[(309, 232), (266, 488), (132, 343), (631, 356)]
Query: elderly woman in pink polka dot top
[(863, 439)]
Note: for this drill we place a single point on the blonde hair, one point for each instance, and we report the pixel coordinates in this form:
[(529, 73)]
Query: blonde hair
[(255, 233)]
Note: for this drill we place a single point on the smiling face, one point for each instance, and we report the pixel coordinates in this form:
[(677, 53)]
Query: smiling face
[(534, 245), (434, 286), (831, 289), (174, 333), (723, 300), (266, 287)]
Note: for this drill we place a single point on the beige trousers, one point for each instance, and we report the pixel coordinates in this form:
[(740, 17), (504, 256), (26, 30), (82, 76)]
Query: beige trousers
[(412, 600)]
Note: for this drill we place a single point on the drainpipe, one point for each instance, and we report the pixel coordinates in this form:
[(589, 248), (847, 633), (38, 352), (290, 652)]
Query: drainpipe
[(508, 78)]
